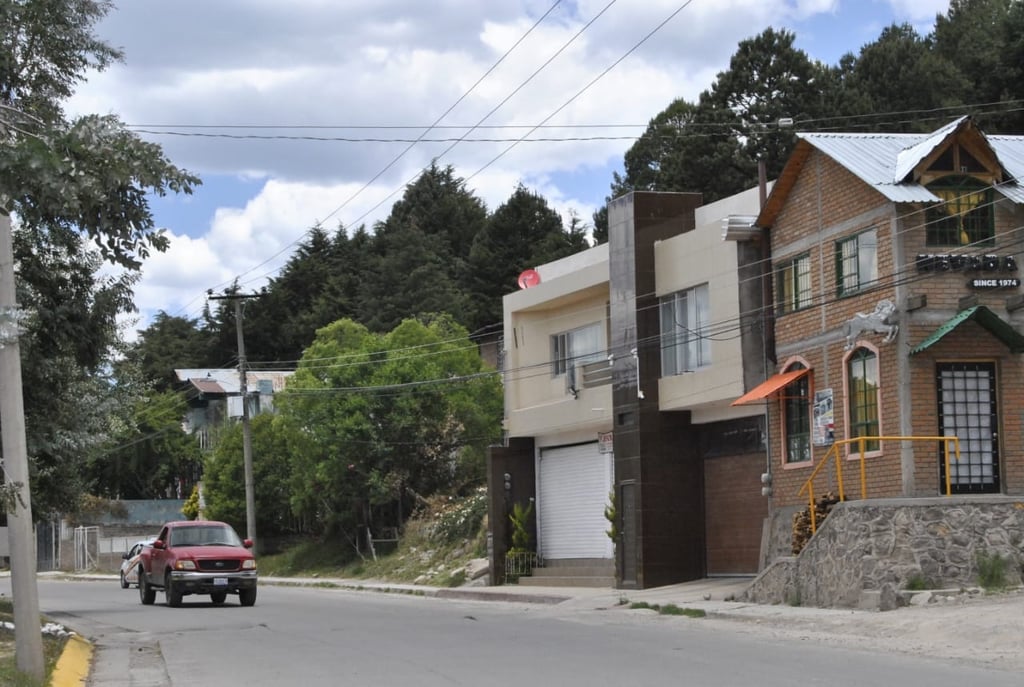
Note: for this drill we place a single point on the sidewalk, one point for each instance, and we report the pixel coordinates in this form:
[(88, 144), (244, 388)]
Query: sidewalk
[(984, 630)]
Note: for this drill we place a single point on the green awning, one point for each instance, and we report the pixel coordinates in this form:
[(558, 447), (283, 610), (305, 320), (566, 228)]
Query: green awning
[(995, 326)]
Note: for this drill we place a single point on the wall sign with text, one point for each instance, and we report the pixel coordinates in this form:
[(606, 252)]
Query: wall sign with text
[(999, 283), (966, 263)]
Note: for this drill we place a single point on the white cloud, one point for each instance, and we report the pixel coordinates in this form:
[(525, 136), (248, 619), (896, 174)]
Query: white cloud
[(394, 63)]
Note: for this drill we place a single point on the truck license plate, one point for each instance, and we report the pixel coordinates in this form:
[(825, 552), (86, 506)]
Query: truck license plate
[(220, 582)]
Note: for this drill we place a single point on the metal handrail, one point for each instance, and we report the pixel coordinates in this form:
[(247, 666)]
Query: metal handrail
[(862, 442)]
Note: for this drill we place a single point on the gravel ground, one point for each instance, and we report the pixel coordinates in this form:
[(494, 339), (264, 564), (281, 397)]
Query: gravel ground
[(975, 629)]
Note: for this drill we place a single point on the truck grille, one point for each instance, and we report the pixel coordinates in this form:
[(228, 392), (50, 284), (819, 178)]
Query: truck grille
[(218, 565)]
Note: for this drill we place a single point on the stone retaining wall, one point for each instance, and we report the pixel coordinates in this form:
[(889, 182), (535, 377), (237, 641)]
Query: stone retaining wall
[(880, 545)]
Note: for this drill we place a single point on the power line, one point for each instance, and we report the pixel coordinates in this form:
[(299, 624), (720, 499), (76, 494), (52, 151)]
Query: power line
[(395, 160)]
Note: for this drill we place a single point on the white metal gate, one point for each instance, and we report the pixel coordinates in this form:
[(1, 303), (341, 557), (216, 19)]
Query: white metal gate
[(87, 543), (574, 487)]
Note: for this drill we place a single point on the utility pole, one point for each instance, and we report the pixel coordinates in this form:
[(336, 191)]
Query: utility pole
[(250, 480), (28, 639)]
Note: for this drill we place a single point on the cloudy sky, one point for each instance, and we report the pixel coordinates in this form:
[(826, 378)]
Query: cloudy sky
[(274, 104)]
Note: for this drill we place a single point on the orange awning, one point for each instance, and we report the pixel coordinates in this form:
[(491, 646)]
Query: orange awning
[(770, 386)]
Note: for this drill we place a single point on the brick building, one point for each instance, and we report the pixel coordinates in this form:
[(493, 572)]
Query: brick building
[(897, 312)]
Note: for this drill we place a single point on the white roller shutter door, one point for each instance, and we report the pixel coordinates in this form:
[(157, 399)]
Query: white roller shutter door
[(575, 482)]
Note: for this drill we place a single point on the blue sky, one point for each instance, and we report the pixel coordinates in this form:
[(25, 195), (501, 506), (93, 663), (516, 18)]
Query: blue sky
[(350, 69)]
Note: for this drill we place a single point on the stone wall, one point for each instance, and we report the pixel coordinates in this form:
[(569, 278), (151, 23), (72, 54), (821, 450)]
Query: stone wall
[(880, 545)]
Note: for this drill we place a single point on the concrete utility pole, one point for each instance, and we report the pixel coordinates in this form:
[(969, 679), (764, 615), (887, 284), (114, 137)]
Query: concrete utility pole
[(28, 638), (250, 480)]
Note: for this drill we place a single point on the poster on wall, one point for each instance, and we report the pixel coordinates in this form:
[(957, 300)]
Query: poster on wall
[(824, 420)]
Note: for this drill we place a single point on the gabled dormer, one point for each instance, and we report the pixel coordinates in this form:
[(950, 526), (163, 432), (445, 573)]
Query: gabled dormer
[(959, 166)]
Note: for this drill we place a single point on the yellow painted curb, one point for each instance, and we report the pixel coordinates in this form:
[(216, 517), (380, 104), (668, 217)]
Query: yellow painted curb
[(72, 669)]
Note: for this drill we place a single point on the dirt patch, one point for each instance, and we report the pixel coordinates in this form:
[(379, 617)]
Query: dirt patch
[(982, 630)]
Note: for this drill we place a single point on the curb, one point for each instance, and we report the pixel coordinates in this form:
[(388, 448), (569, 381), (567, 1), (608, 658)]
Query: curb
[(72, 669), (499, 596)]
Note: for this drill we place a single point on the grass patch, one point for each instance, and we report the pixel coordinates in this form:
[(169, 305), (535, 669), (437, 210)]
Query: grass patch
[(992, 571), (917, 582), (670, 609), (10, 676), (434, 549), (311, 558)]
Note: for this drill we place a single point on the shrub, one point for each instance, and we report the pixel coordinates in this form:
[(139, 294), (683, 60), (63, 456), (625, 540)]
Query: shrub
[(917, 582), (461, 518), (991, 571)]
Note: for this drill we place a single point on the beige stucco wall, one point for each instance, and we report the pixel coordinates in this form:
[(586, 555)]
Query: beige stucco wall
[(573, 293), (691, 259)]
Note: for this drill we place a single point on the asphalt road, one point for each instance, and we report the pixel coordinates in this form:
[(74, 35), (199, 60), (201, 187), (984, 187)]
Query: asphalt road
[(316, 636)]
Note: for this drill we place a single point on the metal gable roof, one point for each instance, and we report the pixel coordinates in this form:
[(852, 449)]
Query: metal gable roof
[(911, 157), (883, 160), (995, 325)]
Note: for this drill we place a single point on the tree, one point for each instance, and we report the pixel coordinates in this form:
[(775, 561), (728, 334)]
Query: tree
[(319, 284), (983, 39), (418, 255), (150, 456), (522, 233), (902, 73), (168, 343), (224, 480), (387, 420), (89, 176), (714, 146)]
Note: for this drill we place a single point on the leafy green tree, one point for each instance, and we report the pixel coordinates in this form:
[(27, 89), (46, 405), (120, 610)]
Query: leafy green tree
[(224, 477), (387, 420), (151, 456), (65, 180)]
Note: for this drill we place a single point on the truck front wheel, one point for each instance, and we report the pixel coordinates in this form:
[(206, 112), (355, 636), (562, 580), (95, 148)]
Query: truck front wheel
[(172, 591)]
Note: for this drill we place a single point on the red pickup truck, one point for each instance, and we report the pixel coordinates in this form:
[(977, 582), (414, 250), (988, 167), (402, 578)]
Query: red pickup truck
[(198, 557)]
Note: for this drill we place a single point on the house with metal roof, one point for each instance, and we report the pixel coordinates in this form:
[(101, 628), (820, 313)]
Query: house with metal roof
[(214, 396), (897, 311)]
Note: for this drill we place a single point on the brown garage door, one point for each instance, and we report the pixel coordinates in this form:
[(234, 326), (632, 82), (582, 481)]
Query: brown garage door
[(735, 512)]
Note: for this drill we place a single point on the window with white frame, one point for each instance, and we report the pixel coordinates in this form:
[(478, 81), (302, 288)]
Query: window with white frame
[(856, 262), (685, 342), (576, 346)]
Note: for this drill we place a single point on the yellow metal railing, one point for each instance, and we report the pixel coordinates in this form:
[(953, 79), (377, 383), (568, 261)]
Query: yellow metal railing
[(862, 443)]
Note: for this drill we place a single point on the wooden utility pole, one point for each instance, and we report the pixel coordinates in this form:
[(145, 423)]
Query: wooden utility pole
[(250, 480), (28, 639)]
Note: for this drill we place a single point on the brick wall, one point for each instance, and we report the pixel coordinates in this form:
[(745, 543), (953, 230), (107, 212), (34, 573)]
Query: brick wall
[(825, 205)]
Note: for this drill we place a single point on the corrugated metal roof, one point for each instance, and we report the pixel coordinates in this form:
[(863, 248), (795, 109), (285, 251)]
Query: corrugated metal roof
[(883, 160), (225, 380), (996, 326), (208, 386)]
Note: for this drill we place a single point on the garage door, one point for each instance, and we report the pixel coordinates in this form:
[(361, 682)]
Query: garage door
[(574, 486), (734, 513)]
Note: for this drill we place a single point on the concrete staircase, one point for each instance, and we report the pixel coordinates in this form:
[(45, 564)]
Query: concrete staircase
[(572, 572)]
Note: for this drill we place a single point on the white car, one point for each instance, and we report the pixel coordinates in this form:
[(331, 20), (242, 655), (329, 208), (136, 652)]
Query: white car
[(130, 563)]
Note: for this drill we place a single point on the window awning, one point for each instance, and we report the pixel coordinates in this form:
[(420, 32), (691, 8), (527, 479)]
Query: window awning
[(770, 386), (995, 326)]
